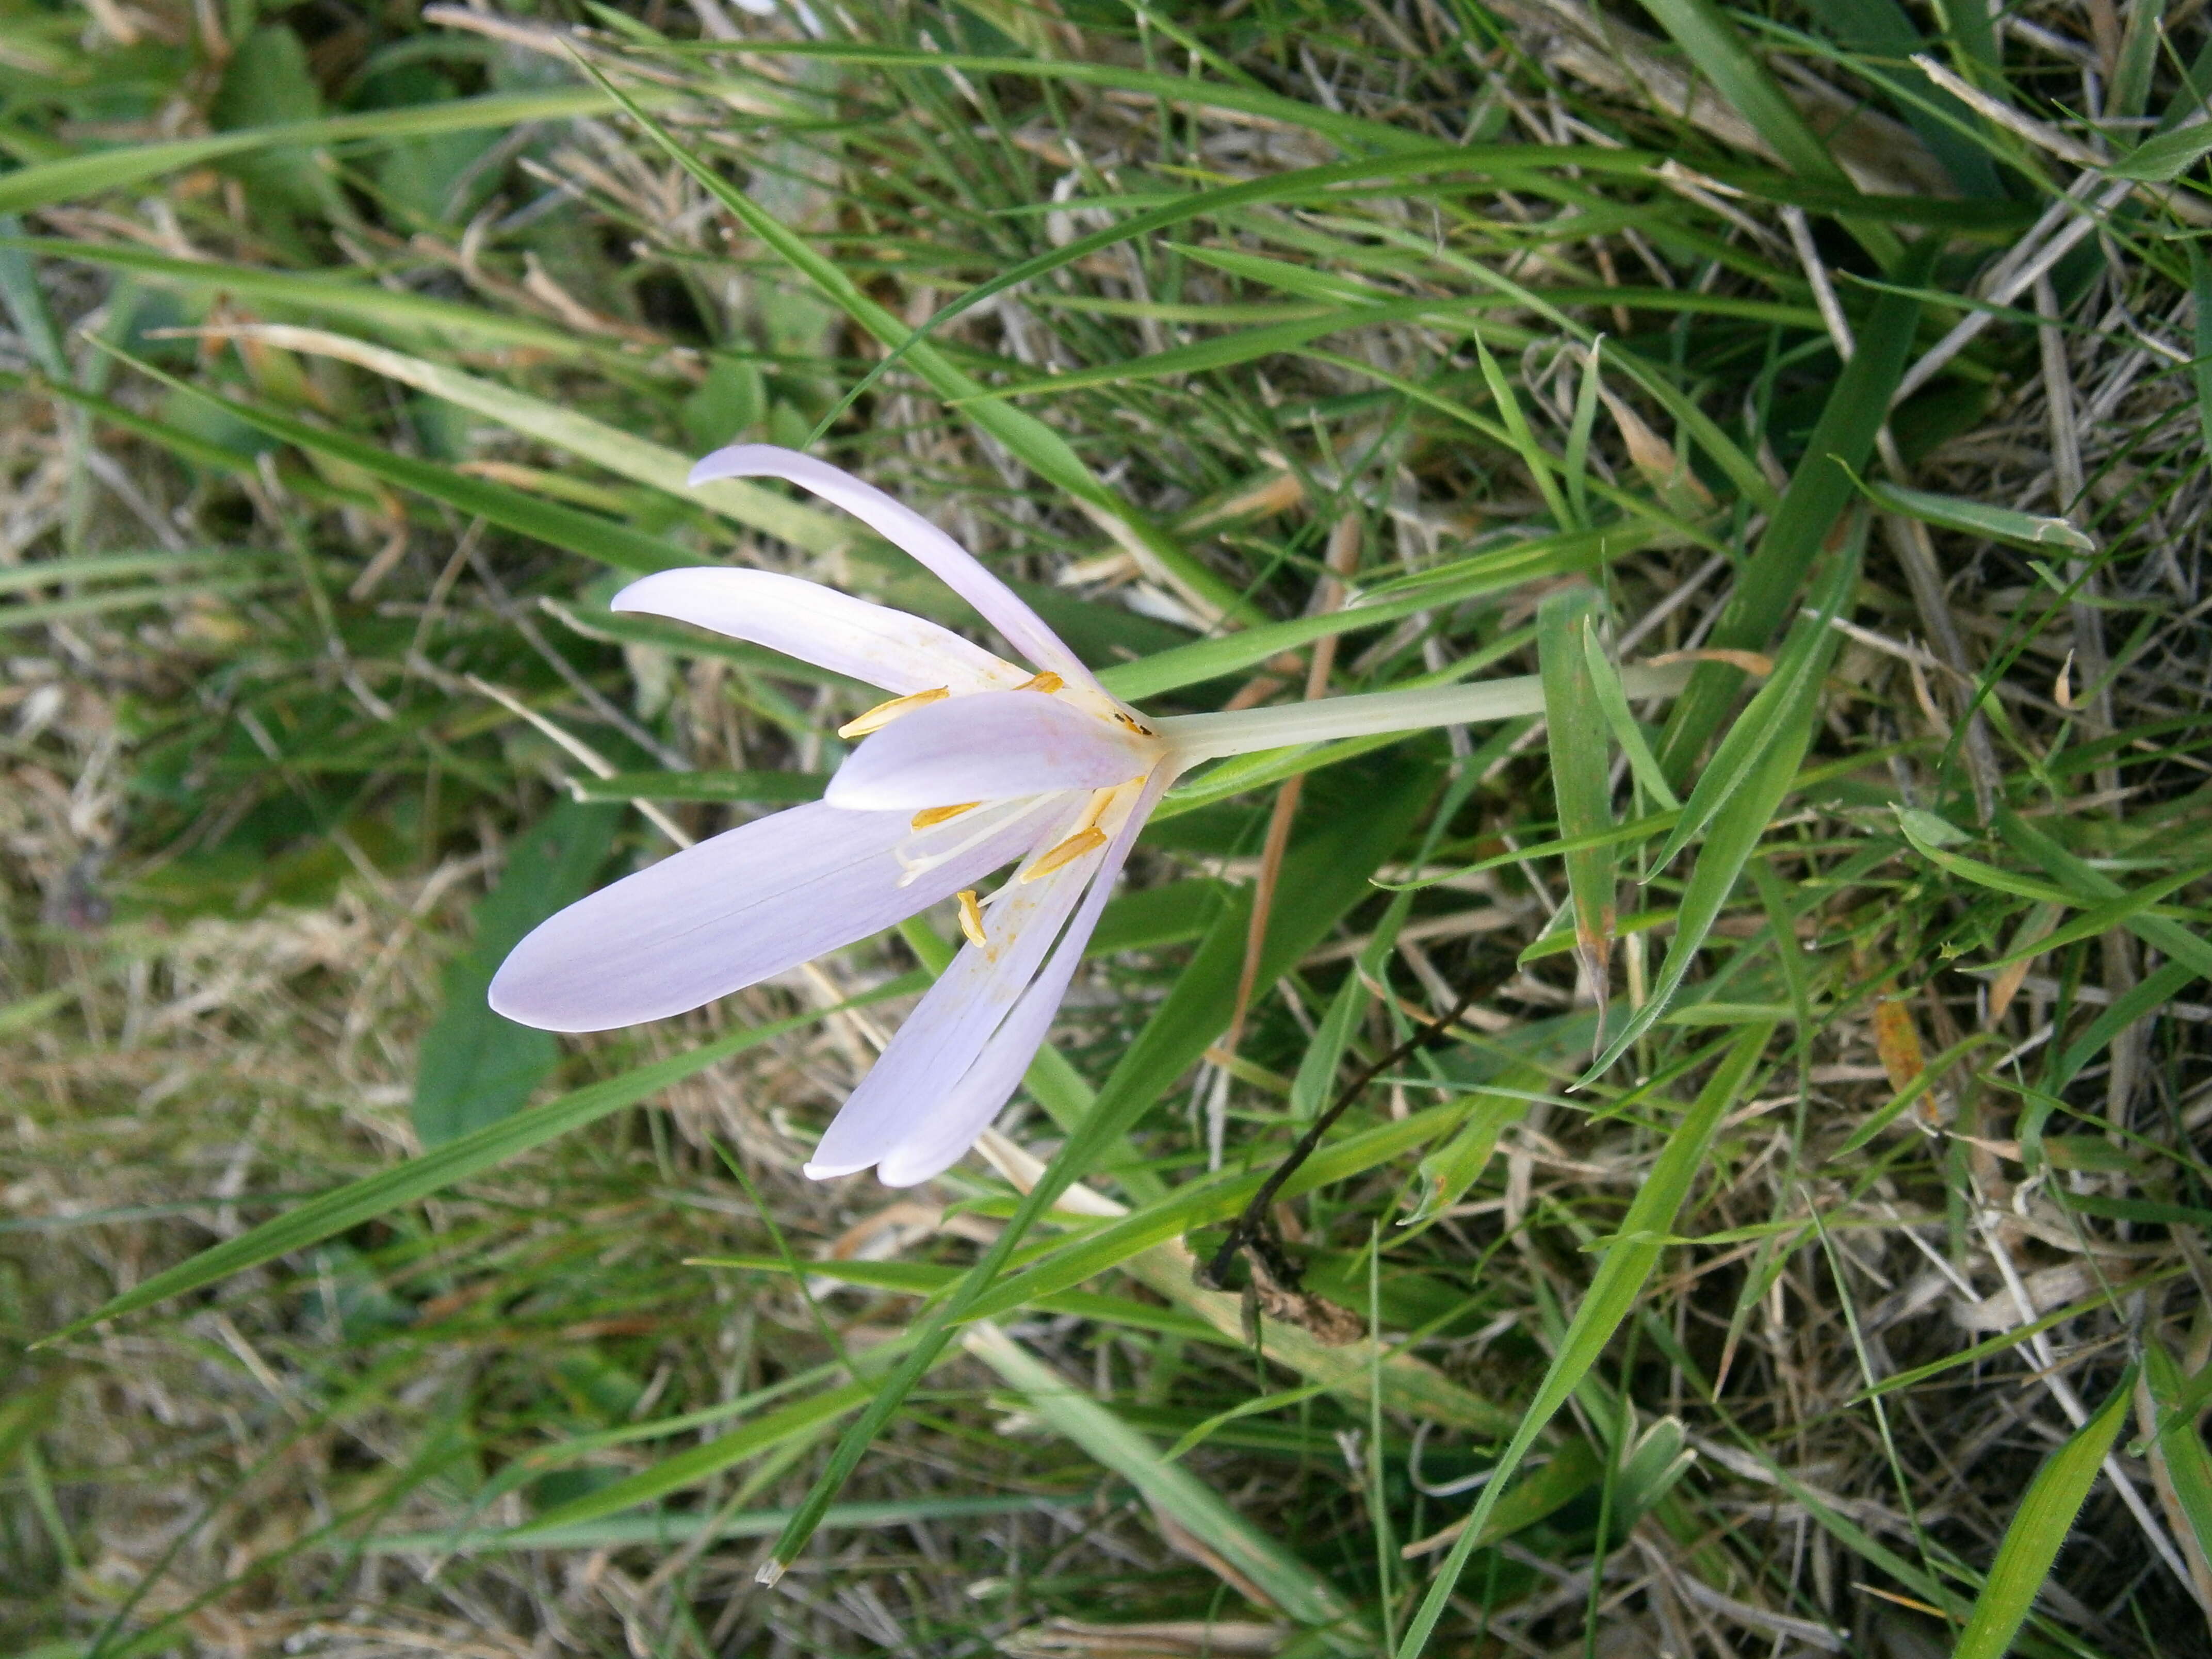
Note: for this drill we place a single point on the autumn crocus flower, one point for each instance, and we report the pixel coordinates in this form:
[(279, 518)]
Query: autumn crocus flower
[(973, 764)]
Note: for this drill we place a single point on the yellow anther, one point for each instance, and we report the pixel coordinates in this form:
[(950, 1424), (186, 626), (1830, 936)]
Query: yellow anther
[(971, 920), (1085, 839), (1135, 725), (1047, 683), (884, 712), (930, 816)]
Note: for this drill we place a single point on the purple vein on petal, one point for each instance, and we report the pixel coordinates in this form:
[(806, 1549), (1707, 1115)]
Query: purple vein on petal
[(726, 914), (818, 624), (953, 564)]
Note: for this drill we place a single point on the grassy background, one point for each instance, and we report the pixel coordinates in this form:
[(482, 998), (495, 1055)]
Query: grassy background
[(1859, 1304)]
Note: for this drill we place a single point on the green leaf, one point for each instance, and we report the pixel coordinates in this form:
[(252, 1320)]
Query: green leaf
[(1620, 720), (2001, 524), (319, 294), (1881, 29), (1703, 30), (2199, 365), (75, 177), (2039, 1527), (1443, 1175), (2188, 1465), (1611, 1298), (1766, 590), (1782, 708), (621, 453), (2166, 157), (1580, 771), (475, 1068)]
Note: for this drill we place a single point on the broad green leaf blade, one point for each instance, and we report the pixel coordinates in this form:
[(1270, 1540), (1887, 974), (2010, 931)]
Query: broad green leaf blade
[(403, 1183), (2168, 155), (2038, 1529), (1611, 1298), (475, 1068), (1293, 1587), (1881, 29)]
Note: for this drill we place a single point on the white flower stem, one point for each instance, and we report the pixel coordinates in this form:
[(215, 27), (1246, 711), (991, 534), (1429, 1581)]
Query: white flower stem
[(1197, 737)]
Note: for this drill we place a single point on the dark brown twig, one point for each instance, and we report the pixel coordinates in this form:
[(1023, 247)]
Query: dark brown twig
[(1251, 1230)]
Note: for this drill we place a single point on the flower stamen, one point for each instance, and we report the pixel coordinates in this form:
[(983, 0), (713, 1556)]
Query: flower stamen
[(930, 816), (971, 920), (1048, 682), (884, 712), (1088, 839)]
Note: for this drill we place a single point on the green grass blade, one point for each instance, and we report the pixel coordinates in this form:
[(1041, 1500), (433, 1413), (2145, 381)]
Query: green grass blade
[(583, 533), (326, 294), (1786, 702), (1819, 489), (1620, 720), (1581, 772), (1703, 30), (1292, 1586), (2038, 1529), (1736, 826), (620, 452), (72, 177), (2188, 1464)]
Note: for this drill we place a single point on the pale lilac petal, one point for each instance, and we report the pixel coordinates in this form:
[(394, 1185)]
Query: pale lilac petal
[(992, 746), (820, 625), (953, 564), (728, 913), (938, 1138), (942, 1037)]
